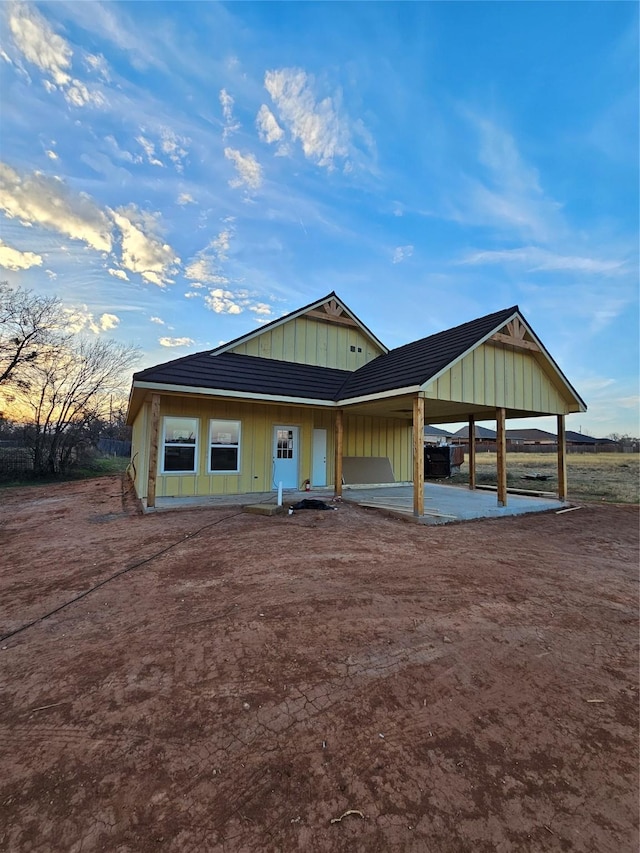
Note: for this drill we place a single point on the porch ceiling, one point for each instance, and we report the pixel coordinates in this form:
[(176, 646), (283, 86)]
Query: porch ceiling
[(435, 411)]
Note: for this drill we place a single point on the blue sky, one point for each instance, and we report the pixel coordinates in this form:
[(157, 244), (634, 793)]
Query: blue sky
[(179, 173)]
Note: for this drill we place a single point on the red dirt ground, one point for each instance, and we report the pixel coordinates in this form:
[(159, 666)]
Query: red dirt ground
[(471, 687)]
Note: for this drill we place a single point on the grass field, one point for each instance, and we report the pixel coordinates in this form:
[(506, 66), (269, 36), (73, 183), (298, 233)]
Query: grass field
[(611, 477)]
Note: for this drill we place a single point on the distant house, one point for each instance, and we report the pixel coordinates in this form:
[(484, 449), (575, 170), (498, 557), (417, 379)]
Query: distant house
[(577, 439), (433, 435), (531, 437), (303, 396), (482, 435)]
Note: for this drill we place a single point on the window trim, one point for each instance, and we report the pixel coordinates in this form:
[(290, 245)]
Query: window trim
[(237, 446), (195, 446)]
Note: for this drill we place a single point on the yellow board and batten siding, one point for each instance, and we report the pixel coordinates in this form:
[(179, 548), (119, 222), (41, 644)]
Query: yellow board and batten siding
[(308, 341), (363, 436), (499, 376)]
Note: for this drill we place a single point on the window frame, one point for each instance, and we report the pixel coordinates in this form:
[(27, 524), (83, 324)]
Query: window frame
[(194, 445), (237, 447)]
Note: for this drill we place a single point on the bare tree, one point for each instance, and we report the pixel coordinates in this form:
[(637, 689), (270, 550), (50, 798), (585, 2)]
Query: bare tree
[(27, 324), (68, 391)]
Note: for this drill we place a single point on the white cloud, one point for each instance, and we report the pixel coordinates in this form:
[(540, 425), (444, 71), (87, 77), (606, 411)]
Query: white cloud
[(150, 150), (14, 259), (401, 253), (175, 342), (174, 146), (49, 52), (248, 169), (78, 95), (324, 136), (268, 128), (120, 153), (39, 200), (121, 274), (509, 196), (185, 198), (202, 269), (39, 44), (108, 321), (142, 251), (222, 302), (542, 260), (97, 63), (260, 308), (80, 319), (221, 243), (207, 265), (157, 320), (230, 124), (51, 155)]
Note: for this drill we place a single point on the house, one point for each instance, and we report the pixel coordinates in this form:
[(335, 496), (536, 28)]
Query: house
[(315, 393), (482, 435), (515, 437), (433, 435), (579, 439)]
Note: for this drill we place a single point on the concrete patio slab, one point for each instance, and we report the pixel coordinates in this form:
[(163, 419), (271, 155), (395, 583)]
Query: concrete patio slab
[(443, 504)]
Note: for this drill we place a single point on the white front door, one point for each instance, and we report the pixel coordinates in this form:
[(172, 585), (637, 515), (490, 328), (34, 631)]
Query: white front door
[(285, 457), (319, 467)]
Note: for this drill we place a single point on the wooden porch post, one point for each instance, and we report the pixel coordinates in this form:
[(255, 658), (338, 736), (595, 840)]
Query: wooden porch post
[(153, 450), (338, 454), (418, 456), (562, 459), (502, 456), (472, 452)]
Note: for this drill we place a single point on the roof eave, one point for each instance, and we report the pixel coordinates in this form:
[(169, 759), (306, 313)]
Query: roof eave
[(204, 391)]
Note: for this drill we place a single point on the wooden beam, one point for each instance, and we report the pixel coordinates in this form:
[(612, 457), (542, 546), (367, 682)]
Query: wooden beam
[(153, 450), (418, 456), (516, 329), (472, 452), (562, 459), (516, 343), (331, 318), (333, 308), (338, 453), (501, 444)]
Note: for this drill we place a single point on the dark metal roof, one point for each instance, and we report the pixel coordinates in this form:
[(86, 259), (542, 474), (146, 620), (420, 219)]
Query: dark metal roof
[(415, 363), (580, 438), (411, 365), (480, 432), (530, 435), (431, 430), (232, 372)]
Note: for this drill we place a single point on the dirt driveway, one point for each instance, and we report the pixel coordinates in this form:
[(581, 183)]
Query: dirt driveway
[(252, 680)]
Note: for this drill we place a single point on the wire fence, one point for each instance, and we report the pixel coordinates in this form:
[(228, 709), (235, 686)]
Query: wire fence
[(15, 460), (514, 447)]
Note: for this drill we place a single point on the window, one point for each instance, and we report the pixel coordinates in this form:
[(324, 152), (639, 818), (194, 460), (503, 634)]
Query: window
[(224, 447), (284, 443), (180, 445)]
